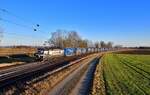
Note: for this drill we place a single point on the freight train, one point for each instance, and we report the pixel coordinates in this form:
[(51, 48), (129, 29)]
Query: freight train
[(43, 53)]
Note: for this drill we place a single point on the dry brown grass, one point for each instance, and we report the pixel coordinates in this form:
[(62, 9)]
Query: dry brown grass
[(98, 83), (14, 51), (8, 64)]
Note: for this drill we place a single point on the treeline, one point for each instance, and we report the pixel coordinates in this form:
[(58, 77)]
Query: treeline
[(63, 39)]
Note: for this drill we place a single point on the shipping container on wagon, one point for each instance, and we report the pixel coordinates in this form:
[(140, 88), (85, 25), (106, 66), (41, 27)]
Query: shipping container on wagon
[(99, 49), (102, 49), (92, 50), (78, 51), (83, 50), (46, 52), (56, 52), (69, 51), (95, 49), (89, 50), (105, 49)]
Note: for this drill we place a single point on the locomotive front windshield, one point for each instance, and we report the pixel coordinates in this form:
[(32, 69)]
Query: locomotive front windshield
[(40, 51)]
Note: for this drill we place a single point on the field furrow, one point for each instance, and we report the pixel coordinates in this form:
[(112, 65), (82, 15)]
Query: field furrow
[(125, 74)]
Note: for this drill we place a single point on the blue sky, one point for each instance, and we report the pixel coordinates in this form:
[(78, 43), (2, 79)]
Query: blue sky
[(124, 22)]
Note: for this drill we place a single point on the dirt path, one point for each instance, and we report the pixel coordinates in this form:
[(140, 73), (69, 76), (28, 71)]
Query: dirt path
[(65, 85), (84, 85)]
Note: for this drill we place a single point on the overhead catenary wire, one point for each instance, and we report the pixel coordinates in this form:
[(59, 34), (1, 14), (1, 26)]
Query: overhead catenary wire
[(18, 17), (21, 25), (34, 27), (24, 26), (2, 33), (21, 35)]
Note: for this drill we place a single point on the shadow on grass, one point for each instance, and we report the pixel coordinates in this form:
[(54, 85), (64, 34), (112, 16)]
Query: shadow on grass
[(17, 58)]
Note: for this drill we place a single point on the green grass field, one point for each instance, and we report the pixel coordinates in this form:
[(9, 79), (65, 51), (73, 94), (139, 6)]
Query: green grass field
[(126, 74)]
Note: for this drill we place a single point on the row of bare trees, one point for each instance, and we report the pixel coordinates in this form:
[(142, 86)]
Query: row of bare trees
[(103, 44), (63, 39)]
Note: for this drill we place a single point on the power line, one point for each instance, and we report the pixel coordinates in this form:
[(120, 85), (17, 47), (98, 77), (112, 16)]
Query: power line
[(16, 16), (21, 25), (36, 25), (20, 36)]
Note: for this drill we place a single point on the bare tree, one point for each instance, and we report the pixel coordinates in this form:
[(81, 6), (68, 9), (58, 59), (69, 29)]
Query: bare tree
[(102, 44), (118, 46), (109, 44), (90, 43), (56, 39), (73, 38), (97, 44), (63, 39), (83, 43)]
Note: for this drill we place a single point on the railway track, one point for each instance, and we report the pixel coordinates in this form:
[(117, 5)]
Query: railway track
[(25, 70)]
